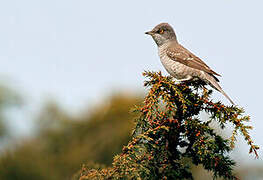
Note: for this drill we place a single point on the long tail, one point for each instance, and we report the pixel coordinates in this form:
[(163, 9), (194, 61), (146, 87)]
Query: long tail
[(213, 82)]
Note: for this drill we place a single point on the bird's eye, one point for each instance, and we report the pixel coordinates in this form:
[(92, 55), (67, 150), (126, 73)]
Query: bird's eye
[(161, 31)]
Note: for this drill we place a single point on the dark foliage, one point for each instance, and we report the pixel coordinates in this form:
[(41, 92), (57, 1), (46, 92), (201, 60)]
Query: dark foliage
[(169, 132)]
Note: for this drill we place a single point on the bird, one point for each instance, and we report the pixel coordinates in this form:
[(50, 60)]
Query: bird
[(179, 62)]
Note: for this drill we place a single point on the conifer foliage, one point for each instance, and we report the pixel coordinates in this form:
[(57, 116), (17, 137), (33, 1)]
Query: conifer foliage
[(170, 134)]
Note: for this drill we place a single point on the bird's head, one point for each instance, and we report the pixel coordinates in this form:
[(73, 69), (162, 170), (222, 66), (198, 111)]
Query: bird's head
[(162, 33)]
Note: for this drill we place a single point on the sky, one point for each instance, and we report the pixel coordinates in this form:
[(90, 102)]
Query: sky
[(80, 51)]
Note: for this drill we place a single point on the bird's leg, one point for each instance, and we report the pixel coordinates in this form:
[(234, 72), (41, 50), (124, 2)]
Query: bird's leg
[(185, 79), (205, 89)]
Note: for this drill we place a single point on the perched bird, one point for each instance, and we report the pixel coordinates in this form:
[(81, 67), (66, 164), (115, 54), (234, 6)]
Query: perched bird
[(180, 62)]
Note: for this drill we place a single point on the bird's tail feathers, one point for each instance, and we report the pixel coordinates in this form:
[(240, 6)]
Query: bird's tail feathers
[(215, 85), (221, 90)]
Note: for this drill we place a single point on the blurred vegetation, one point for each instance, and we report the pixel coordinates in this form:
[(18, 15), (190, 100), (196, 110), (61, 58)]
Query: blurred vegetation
[(9, 99), (63, 143)]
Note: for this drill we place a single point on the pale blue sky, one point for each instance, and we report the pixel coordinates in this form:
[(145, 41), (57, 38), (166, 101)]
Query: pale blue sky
[(80, 51)]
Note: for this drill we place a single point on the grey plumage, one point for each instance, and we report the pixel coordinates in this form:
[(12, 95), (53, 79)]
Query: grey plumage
[(180, 62)]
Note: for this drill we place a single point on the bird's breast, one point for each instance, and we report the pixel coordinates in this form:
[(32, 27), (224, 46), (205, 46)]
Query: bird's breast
[(174, 68)]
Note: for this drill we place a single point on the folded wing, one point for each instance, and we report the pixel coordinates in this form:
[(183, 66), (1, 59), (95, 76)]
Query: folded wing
[(180, 54)]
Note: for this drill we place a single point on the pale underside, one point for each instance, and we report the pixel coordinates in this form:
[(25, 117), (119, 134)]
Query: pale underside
[(177, 69)]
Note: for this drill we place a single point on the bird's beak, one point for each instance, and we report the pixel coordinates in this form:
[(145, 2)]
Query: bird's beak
[(149, 33)]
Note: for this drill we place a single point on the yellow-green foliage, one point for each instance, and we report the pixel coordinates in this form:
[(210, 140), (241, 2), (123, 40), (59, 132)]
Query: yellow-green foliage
[(169, 130)]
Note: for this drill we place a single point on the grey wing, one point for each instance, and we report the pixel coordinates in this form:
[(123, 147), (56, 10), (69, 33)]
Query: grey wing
[(184, 56)]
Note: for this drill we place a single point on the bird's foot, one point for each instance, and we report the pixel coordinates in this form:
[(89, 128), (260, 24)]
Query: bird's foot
[(185, 80)]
